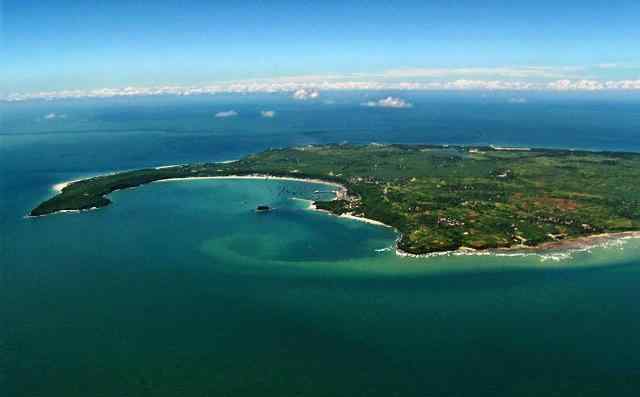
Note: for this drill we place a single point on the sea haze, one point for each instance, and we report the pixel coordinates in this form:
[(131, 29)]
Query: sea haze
[(181, 288)]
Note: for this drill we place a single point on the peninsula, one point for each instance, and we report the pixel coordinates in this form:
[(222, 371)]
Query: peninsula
[(439, 198)]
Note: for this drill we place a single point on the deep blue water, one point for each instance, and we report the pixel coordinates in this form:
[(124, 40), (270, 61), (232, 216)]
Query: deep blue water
[(180, 289)]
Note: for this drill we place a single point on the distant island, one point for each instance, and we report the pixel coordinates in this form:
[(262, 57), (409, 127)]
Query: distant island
[(439, 198)]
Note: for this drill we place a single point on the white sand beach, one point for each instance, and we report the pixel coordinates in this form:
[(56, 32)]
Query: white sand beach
[(341, 191), (365, 220), (168, 166), (340, 187), (59, 186)]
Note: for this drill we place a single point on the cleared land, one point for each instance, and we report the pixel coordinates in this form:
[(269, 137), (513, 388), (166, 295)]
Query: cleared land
[(439, 198)]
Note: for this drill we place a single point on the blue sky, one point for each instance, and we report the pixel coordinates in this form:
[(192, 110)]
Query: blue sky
[(84, 45)]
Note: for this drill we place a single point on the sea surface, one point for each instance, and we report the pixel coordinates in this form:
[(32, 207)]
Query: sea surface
[(181, 289)]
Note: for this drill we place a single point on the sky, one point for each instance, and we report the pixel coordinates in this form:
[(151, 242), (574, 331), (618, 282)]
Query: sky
[(89, 46)]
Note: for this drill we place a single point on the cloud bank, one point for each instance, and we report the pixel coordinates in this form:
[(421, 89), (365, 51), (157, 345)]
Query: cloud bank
[(303, 94), (309, 87), (225, 114), (268, 113), (388, 102)]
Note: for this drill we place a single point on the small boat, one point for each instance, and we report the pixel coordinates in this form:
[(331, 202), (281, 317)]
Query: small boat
[(263, 208)]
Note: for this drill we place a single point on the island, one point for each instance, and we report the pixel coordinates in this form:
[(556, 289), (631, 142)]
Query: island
[(438, 197)]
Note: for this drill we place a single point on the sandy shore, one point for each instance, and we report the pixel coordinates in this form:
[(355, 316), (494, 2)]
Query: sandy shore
[(62, 212), (59, 186), (365, 220), (578, 244), (312, 207), (182, 165), (341, 191), (168, 166), (340, 188)]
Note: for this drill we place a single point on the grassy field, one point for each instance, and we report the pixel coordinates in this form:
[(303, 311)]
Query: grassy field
[(439, 198)]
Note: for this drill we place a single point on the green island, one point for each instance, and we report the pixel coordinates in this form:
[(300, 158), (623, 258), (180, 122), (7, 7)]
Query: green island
[(439, 198)]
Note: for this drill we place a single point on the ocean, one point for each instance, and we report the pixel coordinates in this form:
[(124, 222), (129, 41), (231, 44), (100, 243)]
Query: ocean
[(181, 289)]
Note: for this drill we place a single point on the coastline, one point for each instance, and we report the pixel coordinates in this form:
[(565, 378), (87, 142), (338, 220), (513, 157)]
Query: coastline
[(61, 212), (572, 245), (340, 193), (162, 167), (350, 216), (576, 244), (58, 187)]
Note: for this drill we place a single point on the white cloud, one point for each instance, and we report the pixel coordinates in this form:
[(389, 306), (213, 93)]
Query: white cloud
[(580, 85), (52, 116), (228, 113), (388, 102), (488, 85), (517, 100), (309, 87), (303, 94), (623, 85), (268, 113), (593, 85)]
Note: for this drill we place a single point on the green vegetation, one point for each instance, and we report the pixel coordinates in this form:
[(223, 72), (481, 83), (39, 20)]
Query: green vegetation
[(439, 198)]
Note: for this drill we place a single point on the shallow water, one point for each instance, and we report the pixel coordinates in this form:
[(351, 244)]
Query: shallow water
[(181, 288)]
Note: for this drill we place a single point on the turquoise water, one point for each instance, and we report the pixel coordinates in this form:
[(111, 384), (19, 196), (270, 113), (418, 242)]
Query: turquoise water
[(181, 289)]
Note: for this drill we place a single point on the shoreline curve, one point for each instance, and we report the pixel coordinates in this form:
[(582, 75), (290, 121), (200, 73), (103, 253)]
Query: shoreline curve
[(568, 245)]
